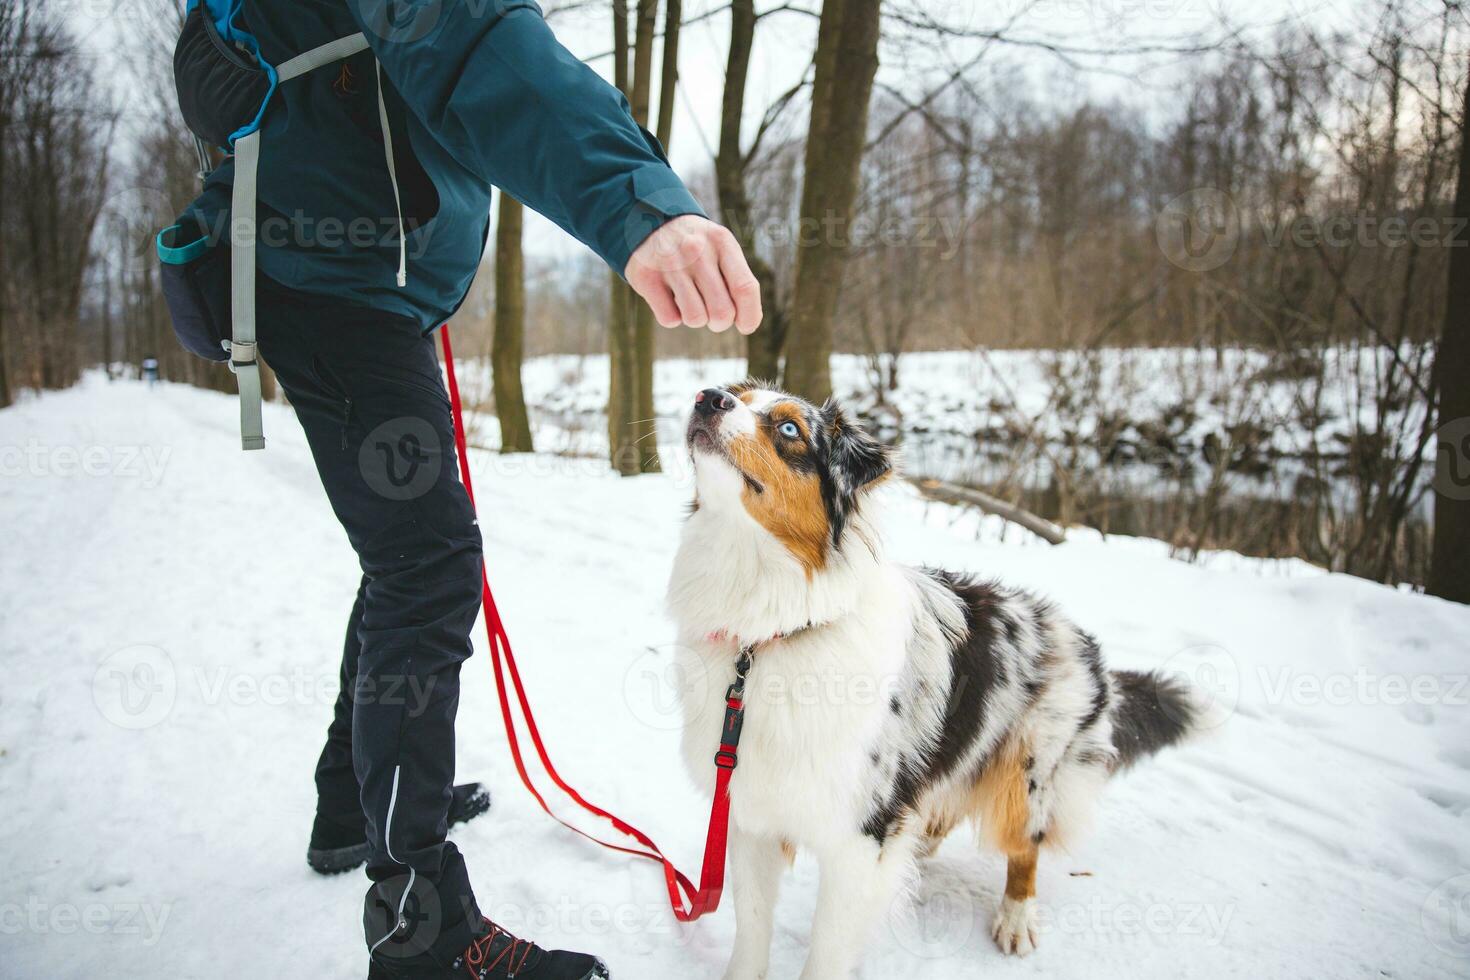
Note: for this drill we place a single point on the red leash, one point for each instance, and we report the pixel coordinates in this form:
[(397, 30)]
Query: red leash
[(712, 876)]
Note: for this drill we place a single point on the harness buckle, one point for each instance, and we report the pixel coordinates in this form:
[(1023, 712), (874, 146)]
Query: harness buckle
[(726, 760), (736, 691), (742, 662)]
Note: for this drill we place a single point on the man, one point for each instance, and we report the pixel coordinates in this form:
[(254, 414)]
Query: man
[(476, 94)]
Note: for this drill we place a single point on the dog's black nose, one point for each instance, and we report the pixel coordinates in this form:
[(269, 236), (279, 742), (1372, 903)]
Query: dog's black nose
[(713, 400)]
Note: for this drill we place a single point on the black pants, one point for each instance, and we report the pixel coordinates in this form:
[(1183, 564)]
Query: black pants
[(366, 388)]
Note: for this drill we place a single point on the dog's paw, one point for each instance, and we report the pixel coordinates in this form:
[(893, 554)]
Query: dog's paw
[(745, 969), (1015, 926), (735, 974)]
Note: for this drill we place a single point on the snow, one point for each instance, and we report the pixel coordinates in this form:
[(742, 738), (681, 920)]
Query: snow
[(172, 620), (1138, 395)]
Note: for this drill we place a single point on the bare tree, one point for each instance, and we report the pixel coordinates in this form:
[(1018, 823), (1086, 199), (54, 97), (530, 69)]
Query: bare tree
[(631, 429), (1449, 573), (669, 70), (507, 348), (622, 406), (763, 348), (645, 430), (55, 150), (12, 33), (846, 61)]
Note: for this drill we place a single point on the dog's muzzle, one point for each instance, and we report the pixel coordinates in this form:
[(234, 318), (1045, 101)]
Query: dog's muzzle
[(710, 408)]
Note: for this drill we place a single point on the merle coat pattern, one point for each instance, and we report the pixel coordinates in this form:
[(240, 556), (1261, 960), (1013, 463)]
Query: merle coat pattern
[(885, 704)]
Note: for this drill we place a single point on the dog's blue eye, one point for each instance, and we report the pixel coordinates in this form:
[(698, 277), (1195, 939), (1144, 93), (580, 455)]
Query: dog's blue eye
[(789, 430)]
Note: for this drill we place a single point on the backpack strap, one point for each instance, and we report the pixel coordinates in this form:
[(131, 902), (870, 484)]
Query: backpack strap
[(343, 47), (244, 361)]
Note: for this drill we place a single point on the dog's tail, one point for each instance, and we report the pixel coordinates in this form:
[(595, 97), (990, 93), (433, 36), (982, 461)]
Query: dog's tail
[(1152, 711)]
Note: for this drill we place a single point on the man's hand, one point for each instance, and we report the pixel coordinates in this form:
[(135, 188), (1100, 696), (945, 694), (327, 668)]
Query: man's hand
[(692, 271)]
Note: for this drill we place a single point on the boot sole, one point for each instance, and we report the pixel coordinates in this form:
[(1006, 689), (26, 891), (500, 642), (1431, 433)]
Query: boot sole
[(338, 860), (376, 971)]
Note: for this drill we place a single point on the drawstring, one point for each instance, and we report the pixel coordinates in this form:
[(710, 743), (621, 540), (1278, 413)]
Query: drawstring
[(392, 176)]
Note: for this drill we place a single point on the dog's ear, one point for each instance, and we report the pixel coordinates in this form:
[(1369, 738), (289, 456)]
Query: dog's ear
[(856, 461), (856, 456)]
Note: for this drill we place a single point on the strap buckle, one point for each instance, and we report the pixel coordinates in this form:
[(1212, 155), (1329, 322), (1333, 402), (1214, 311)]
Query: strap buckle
[(241, 354), (725, 759)]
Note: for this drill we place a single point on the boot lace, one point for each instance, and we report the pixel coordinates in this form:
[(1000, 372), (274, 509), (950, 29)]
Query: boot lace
[(512, 956)]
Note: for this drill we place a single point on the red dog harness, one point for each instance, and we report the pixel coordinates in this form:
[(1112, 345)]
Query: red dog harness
[(706, 898)]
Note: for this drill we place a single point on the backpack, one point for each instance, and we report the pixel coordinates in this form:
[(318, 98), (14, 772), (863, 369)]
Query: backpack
[(224, 90)]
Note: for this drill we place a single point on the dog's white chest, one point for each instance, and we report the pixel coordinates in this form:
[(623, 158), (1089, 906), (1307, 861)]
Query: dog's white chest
[(814, 708)]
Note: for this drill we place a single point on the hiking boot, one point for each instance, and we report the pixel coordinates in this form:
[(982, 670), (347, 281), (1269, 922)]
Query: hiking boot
[(335, 848), (497, 955)]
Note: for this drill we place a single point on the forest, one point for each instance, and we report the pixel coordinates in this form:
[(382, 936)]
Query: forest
[(1209, 286)]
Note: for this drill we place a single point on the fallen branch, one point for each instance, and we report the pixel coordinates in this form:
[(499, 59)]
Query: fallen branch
[(951, 493)]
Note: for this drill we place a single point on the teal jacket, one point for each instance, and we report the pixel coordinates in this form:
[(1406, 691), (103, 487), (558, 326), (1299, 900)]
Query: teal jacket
[(478, 93)]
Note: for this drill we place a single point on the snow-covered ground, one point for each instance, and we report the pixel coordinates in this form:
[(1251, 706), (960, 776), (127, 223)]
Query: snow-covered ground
[(172, 612)]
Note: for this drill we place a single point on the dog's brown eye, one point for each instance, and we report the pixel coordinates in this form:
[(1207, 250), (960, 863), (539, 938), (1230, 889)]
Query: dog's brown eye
[(789, 429)]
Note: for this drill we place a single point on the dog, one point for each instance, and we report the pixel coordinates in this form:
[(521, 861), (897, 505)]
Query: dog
[(885, 704)]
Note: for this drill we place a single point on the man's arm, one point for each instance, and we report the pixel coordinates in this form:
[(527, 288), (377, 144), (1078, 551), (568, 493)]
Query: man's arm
[(518, 110)]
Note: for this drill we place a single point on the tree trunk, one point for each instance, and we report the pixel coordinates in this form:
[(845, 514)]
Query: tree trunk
[(623, 382), (647, 346), (106, 325), (669, 79), (9, 31), (643, 31), (1449, 570), (847, 60), (622, 403), (507, 348), (762, 348), (644, 427), (5, 398)]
